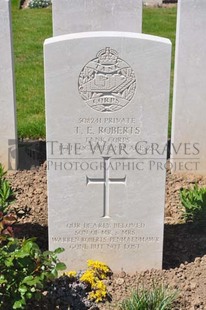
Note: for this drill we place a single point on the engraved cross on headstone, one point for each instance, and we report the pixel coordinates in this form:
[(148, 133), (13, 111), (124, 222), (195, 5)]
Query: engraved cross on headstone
[(106, 181)]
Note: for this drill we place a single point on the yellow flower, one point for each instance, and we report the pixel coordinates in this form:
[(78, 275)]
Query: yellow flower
[(101, 286), (99, 292), (71, 274), (101, 267), (89, 277), (92, 276)]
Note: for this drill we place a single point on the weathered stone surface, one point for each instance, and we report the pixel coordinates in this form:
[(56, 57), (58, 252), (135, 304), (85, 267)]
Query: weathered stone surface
[(189, 126), (105, 108), (71, 16), (8, 143)]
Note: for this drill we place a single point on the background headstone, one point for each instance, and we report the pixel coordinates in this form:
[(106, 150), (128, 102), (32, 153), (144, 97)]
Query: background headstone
[(70, 16), (8, 143), (152, 2), (189, 104), (104, 109)]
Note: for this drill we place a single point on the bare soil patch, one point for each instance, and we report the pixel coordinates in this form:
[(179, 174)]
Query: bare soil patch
[(184, 256)]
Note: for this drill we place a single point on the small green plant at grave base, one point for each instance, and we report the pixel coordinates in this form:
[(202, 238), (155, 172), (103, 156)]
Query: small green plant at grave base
[(2, 172), (24, 271), (194, 203), (158, 298), (39, 3), (7, 218), (6, 192), (81, 290)]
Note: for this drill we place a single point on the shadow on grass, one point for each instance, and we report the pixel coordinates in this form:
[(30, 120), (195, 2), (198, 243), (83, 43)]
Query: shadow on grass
[(183, 243)]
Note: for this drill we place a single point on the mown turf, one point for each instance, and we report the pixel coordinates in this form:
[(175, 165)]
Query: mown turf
[(162, 22), (30, 28)]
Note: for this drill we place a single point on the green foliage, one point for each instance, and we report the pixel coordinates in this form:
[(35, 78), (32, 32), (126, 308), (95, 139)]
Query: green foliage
[(6, 195), (24, 271), (39, 3), (6, 192), (7, 218), (159, 298), (2, 172), (194, 203)]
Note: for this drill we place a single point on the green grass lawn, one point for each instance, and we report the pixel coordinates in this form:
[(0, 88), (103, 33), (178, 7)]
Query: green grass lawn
[(30, 29), (162, 22)]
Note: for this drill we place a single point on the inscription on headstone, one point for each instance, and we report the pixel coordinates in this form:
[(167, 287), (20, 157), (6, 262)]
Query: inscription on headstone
[(8, 148), (105, 108), (70, 16)]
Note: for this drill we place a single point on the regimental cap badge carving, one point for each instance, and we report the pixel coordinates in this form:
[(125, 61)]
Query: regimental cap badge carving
[(107, 83), (107, 56)]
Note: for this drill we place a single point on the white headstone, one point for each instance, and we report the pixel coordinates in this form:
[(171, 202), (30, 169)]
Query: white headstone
[(70, 16), (188, 150), (104, 107), (8, 143)]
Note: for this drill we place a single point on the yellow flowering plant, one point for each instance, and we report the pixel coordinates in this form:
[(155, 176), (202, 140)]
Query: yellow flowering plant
[(93, 276), (99, 268), (71, 274), (99, 291), (93, 279)]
